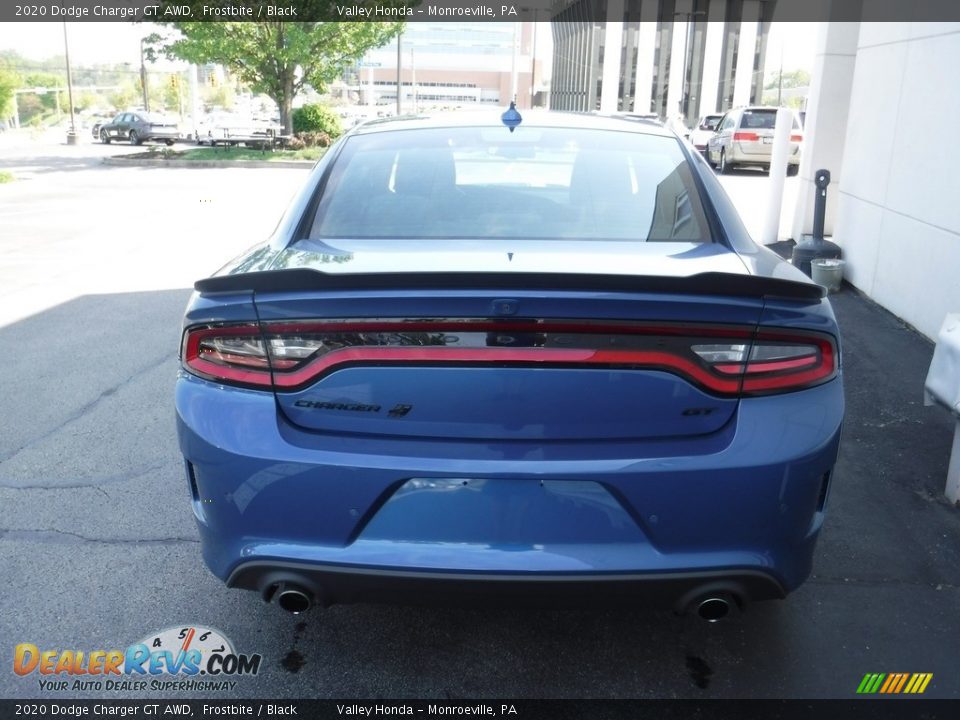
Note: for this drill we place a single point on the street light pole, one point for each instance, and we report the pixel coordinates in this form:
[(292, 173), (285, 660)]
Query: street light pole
[(143, 79), (72, 135)]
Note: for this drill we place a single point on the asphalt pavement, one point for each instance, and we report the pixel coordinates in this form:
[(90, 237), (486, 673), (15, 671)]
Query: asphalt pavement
[(98, 548)]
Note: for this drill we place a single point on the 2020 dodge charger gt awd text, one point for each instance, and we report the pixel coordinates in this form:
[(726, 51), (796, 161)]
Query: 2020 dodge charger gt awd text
[(536, 363)]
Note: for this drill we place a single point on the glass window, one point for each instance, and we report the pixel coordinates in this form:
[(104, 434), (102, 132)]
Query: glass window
[(759, 119), (536, 183)]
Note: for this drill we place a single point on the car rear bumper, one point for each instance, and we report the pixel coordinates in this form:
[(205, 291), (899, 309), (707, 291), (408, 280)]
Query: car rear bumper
[(162, 135), (362, 517), (759, 154), (330, 585)]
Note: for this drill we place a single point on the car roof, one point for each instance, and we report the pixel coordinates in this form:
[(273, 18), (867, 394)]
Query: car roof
[(531, 118)]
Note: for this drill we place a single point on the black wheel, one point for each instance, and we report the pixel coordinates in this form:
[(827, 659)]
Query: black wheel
[(793, 170), (104, 137), (169, 143), (134, 138), (724, 167)]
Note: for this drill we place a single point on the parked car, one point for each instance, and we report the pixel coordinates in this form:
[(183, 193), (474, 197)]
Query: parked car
[(706, 127), (96, 122), (137, 127), (530, 363), (744, 137), (233, 129)]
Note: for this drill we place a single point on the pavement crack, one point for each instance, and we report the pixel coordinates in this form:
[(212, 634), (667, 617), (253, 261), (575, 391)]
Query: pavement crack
[(84, 409), (95, 483), (70, 538)]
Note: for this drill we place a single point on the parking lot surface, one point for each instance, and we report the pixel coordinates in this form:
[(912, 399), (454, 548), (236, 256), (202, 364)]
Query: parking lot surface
[(98, 547)]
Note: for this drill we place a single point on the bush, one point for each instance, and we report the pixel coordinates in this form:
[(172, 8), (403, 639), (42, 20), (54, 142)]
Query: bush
[(295, 143), (317, 118), (313, 139)]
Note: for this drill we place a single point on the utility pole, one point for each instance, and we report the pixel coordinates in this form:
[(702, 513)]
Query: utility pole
[(399, 79), (143, 79), (72, 135)]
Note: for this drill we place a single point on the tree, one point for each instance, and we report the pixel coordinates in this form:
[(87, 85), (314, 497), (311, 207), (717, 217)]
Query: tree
[(8, 86), (278, 58), (791, 79)]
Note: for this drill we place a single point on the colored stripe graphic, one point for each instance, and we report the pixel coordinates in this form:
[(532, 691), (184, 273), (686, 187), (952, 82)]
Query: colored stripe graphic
[(894, 683)]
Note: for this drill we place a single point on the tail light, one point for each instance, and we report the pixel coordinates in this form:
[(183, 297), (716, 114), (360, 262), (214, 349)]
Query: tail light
[(796, 137), (724, 360), (745, 137)]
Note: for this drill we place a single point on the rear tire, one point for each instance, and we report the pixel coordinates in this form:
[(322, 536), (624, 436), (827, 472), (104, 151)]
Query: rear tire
[(104, 137), (169, 142), (793, 170), (724, 167), (134, 138)]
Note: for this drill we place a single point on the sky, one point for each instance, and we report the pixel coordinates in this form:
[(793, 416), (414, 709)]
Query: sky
[(119, 42)]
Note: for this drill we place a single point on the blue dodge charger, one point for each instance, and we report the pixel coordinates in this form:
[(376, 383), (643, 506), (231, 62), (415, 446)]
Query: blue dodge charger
[(534, 359)]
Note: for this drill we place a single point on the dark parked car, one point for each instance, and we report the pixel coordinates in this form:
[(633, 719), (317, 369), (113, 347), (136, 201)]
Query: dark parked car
[(526, 363), (136, 127)]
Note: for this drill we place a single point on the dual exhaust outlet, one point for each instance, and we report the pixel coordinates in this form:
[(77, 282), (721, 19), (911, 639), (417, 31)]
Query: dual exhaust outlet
[(711, 608)]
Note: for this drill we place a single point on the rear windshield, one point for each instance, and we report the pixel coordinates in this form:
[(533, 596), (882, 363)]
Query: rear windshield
[(535, 183), (763, 119)]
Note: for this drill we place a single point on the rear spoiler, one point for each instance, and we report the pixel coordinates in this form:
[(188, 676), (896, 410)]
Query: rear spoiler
[(711, 283)]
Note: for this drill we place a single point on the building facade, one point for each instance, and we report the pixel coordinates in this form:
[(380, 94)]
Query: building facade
[(451, 64), (659, 56)]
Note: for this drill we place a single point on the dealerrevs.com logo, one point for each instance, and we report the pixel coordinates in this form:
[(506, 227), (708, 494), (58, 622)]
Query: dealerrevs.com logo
[(179, 658)]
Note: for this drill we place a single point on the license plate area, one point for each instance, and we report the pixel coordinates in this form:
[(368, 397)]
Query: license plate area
[(515, 513)]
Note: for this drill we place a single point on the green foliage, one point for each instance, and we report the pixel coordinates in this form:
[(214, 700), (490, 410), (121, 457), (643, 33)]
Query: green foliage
[(51, 82), (8, 85), (791, 79), (30, 108), (220, 97), (277, 58), (312, 139), (126, 96), (317, 118)]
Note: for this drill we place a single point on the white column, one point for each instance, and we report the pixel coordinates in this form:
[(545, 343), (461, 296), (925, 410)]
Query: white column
[(677, 47), (711, 57), (612, 43), (645, 50), (746, 48), (825, 129)]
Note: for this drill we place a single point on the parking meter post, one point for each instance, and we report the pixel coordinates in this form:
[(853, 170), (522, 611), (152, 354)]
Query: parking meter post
[(815, 247), (778, 171)]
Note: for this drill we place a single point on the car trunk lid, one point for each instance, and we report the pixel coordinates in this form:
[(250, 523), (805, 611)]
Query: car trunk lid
[(411, 344)]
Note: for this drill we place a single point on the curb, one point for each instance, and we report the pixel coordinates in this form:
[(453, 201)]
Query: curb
[(118, 161)]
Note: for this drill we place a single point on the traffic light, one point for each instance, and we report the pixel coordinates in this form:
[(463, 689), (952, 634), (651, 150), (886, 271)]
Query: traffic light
[(174, 81), (212, 80)]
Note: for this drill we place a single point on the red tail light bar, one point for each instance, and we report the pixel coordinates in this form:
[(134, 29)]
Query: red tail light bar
[(724, 360), (745, 137)]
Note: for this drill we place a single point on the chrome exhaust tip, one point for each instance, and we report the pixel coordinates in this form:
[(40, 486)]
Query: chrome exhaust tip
[(713, 609), (293, 599)]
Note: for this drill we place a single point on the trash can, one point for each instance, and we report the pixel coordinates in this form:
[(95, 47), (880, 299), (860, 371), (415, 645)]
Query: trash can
[(827, 272)]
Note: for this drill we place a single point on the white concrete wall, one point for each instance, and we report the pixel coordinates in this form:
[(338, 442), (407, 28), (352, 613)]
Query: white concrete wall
[(825, 131), (898, 219)]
